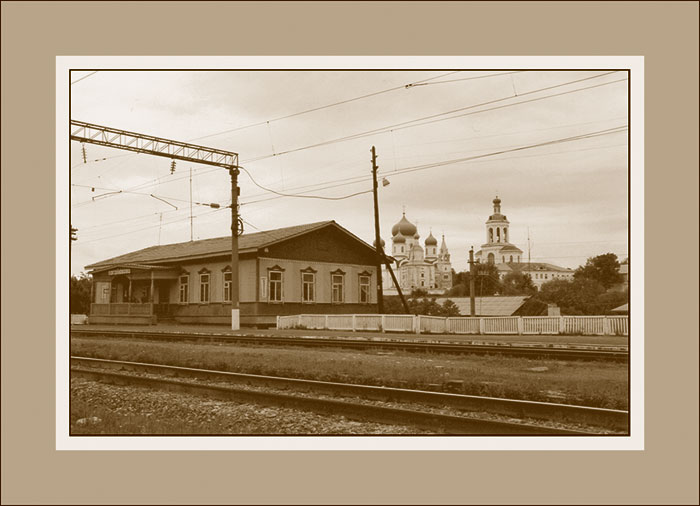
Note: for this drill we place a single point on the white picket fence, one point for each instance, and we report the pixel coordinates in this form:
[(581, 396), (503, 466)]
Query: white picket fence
[(579, 325)]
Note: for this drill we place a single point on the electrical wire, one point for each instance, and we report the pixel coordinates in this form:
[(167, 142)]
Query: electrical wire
[(116, 192), (299, 195), (587, 135), (408, 124), (111, 236), (314, 109)]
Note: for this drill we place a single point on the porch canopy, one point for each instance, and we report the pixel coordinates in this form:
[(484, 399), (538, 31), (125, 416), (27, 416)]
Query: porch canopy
[(128, 275)]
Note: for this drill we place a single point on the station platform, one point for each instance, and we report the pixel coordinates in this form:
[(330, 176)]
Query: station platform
[(219, 330)]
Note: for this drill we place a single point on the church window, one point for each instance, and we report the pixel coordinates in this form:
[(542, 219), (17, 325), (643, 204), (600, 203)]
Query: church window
[(491, 258), (505, 235), (503, 259), (511, 258), (490, 235), (498, 235)]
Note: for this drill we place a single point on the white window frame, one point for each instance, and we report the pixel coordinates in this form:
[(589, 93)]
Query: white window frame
[(202, 285), (312, 287), (226, 285), (186, 287), (341, 291), (368, 286), (275, 282)]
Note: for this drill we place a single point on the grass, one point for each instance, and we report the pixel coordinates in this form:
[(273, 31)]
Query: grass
[(598, 384)]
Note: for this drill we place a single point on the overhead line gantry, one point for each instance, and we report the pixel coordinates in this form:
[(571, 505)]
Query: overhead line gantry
[(175, 150)]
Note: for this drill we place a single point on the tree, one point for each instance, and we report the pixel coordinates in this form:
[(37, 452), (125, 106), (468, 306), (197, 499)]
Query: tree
[(517, 283), (486, 281), (604, 269), (423, 306), (577, 297), (418, 292), (80, 291)]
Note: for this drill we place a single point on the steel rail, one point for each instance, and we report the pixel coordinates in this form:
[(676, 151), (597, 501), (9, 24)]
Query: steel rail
[(355, 343), (599, 417)]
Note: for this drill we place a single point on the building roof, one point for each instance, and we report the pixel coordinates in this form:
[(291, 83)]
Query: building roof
[(621, 309), (506, 246), (216, 246), (488, 306), (537, 266)]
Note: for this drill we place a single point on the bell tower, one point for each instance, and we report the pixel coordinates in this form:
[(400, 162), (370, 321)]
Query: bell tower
[(497, 225)]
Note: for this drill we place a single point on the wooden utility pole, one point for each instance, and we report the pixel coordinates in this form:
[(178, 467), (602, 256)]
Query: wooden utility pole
[(472, 300), (377, 239)]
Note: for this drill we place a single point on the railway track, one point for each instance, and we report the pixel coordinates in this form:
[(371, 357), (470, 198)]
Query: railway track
[(536, 350), (352, 400)]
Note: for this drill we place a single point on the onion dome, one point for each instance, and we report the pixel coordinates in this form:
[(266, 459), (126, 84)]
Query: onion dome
[(374, 243), (497, 216), (404, 227), (431, 241), (398, 238), (416, 236)]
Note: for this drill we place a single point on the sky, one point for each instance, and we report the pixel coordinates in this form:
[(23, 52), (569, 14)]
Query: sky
[(447, 142)]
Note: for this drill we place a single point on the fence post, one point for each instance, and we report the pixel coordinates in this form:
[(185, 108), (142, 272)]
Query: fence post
[(278, 322), (299, 321), (606, 326), (383, 323), (562, 325), (325, 322), (481, 325), (416, 324), (520, 325), (353, 323)]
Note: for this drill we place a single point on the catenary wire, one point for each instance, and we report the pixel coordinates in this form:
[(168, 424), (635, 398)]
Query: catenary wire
[(407, 124)]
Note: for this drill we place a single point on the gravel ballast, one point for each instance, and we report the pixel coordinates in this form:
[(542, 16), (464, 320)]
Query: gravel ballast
[(98, 408)]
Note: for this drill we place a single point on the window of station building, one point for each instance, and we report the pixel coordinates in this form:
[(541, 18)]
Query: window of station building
[(503, 259), (184, 288), (308, 287), (227, 286), (275, 286), (365, 288), (204, 287), (337, 287), (511, 259)]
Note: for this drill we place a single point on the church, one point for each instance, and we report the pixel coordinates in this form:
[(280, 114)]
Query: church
[(508, 258), (426, 269)]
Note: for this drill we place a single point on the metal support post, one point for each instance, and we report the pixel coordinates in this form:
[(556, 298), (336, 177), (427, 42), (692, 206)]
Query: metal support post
[(235, 306), (472, 272)]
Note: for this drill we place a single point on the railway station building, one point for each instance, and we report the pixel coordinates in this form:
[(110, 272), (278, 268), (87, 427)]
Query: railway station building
[(314, 268)]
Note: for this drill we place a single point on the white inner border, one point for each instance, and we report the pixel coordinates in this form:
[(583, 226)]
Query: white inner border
[(633, 442)]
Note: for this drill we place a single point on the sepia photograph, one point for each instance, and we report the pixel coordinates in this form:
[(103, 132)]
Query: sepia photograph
[(349, 252)]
